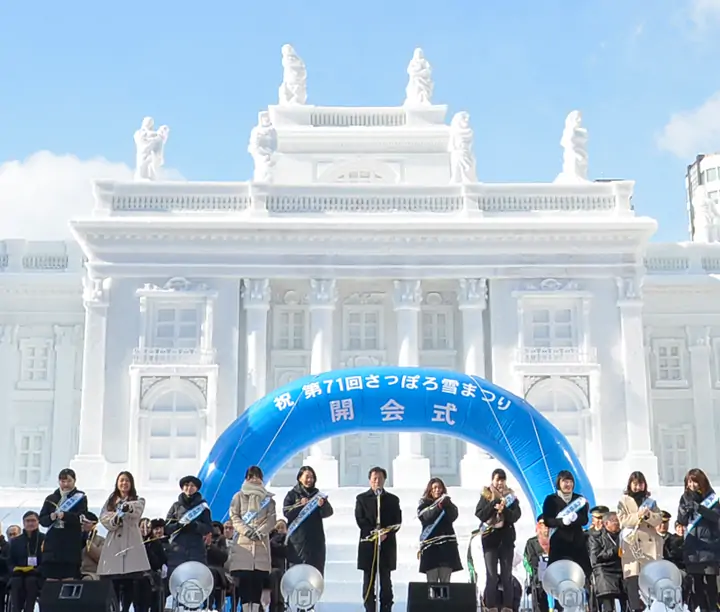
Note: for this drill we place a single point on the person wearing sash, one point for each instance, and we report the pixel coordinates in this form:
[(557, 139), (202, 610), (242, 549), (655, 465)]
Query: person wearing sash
[(252, 512), (640, 542), (60, 515), (306, 508), (699, 513), (535, 560), (377, 533), (187, 523), (438, 553), (566, 513), (498, 510), (25, 563), (123, 559)]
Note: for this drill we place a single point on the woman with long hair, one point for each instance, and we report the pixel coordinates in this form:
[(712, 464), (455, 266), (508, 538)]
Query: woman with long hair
[(123, 558), (305, 509), (498, 510), (699, 514), (566, 513), (439, 555), (640, 542), (252, 512)]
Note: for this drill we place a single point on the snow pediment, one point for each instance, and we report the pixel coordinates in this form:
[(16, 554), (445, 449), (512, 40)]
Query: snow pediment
[(148, 199)]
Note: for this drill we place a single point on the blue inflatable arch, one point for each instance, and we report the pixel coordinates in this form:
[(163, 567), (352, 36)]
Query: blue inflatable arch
[(391, 399)]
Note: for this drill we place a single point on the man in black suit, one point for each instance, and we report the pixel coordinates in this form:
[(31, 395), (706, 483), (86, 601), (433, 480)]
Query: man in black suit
[(367, 505)]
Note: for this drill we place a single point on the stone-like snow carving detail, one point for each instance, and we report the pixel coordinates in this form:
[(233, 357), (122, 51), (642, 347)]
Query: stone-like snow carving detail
[(293, 89), (575, 155), (420, 86), (462, 158), (150, 149), (262, 147)]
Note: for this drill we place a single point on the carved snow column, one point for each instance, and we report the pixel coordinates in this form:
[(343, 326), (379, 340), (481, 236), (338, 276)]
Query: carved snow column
[(323, 297), (637, 400), (594, 442), (477, 465), (90, 464), (9, 367), (702, 389), (64, 398), (256, 300), (410, 468)]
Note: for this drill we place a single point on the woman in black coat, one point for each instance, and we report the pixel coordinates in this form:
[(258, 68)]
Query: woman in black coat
[(567, 538), (63, 546), (439, 556), (306, 545), (699, 513), (498, 511), (606, 564), (188, 538)]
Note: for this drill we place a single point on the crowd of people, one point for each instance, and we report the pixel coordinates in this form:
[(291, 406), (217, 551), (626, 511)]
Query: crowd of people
[(249, 553)]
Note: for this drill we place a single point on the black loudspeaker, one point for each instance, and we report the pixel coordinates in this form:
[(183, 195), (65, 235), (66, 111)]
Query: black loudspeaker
[(434, 597), (78, 596)]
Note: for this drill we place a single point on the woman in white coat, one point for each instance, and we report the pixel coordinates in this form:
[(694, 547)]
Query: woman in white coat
[(123, 558), (253, 515)]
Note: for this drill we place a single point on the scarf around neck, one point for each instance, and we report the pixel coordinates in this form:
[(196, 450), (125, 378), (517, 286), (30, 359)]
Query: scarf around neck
[(255, 494), (566, 497), (498, 522)]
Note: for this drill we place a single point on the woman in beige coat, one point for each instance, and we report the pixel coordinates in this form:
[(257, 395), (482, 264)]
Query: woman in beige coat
[(640, 542), (252, 512), (123, 558)]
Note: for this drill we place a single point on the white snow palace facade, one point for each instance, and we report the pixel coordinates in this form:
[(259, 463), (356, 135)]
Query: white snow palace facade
[(364, 238)]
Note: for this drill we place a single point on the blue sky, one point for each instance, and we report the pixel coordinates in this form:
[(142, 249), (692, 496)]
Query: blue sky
[(78, 77)]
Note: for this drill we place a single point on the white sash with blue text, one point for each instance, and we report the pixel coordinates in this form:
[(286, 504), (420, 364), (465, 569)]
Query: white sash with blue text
[(66, 506), (707, 503), (571, 508), (307, 510)]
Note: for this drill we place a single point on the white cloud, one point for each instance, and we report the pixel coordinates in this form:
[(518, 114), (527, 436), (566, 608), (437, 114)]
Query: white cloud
[(695, 131), (40, 195), (704, 12)]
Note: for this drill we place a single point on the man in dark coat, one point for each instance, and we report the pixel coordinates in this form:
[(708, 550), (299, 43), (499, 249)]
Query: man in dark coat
[(386, 525), (597, 514), (188, 537), (607, 575), (25, 558), (64, 542)]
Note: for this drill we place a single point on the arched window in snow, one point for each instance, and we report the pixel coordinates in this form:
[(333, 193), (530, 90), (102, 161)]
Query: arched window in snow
[(173, 432), (565, 405)]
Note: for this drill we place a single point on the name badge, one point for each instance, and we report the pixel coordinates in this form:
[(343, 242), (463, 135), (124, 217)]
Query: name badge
[(32, 561)]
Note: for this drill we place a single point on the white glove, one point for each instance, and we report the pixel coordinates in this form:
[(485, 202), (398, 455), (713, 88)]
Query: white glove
[(567, 519), (573, 517)]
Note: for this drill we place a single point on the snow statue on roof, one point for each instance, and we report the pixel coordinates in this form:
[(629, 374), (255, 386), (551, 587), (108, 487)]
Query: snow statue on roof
[(293, 89), (419, 89), (575, 156), (262, 147), (150, 149), (462, 158)]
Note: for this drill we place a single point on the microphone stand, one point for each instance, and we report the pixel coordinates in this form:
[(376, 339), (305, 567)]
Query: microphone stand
[(379, 550)]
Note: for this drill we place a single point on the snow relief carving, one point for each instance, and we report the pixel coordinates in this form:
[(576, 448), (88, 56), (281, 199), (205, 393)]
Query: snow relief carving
[(420, 86), (552, 284), (256, 292), (293, 89), (408, 293), (150, 150), (473, 292), (262, 147), (462, 158), (629, 289), (575, 155), (174, 285), (323, 292), (95, 290)]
